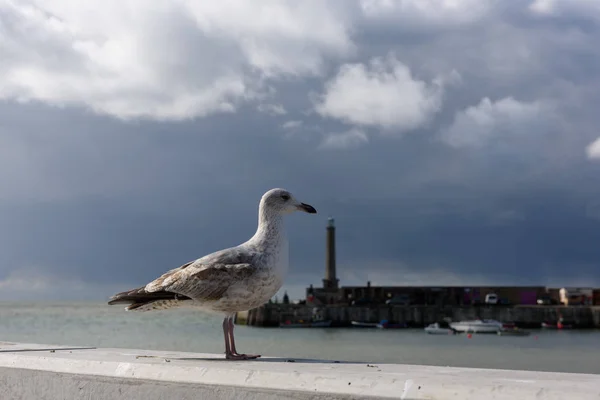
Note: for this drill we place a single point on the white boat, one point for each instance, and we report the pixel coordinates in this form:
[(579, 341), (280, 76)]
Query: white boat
[(439, 329), (477, 326), (359, 324)]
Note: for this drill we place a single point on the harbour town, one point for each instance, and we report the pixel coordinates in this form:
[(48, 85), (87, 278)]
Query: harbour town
[(332, 305)]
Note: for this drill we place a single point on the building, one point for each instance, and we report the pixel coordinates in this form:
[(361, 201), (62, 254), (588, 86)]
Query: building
[(576, 296)]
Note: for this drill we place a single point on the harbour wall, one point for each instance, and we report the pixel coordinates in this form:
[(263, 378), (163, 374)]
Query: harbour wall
[(418, 316), (33, 372)]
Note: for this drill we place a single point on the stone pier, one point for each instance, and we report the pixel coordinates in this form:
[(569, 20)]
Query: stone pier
[(419, 316), (34, 372)]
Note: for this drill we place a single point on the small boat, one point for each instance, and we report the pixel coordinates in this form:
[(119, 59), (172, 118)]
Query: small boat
[(358, 324), (384, 324), (477, 326), (313, 324), (556, 325), (439, 328), (320, 324), (513, 332)]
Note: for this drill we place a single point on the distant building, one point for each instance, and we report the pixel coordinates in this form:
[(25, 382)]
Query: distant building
[(576, 296)]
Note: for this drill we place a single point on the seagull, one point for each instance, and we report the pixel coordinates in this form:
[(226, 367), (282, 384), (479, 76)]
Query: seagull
[(234, 279)]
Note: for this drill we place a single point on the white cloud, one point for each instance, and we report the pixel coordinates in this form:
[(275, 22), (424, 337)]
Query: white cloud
[(346, 140), (588, 8), (272, 109), (542, 6), (382, 94), (289, 125), (427, 14), (476, 125), (182, 59), (163, 59), (593, 150)]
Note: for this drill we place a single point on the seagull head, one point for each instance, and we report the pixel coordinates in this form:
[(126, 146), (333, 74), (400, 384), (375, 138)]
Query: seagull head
[(282, 202)]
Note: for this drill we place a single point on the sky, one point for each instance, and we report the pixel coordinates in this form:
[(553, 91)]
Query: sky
[(455, 142)]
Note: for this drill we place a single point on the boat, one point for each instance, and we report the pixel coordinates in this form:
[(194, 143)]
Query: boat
[(477, 326), (320, 324), (556, 325), (358, 324), (313, 324), (439, 328), (513, 332), (384, 324)]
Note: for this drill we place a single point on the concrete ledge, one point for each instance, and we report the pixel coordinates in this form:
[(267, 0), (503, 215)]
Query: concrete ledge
[(60, 372)]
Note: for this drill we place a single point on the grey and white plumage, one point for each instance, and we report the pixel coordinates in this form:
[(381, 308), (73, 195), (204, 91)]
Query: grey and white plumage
[(235, 279)]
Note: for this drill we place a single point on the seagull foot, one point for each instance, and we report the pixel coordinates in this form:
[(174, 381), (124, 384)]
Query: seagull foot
[(241, 356)]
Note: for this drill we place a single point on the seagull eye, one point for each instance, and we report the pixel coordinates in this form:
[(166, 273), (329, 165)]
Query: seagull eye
[(285, 197)]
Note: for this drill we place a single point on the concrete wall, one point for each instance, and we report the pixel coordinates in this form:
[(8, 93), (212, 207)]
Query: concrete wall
[(34, 372), (596, 315)]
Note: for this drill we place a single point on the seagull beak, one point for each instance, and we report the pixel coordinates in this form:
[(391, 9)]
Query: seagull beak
[(306, 208)]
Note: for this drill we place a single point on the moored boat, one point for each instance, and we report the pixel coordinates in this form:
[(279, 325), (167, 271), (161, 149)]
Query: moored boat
[(556, 325), (439, 328), (312, 324), (513, 332), (385, 324), (320, 324), (358, 324), (477, 326)]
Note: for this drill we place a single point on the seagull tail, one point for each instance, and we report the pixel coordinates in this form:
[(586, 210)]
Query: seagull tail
[(139, 299)]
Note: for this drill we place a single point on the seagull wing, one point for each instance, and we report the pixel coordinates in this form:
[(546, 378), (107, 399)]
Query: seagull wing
[(207, 278)]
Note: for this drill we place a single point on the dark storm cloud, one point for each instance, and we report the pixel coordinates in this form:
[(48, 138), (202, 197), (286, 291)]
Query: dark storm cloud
[(392, 204)]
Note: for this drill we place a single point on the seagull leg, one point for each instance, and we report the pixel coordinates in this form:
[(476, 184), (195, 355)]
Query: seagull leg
[(233, 354), (226, 334)]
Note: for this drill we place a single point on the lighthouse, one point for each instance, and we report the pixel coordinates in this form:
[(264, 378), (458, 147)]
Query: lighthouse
[(330, 282)]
